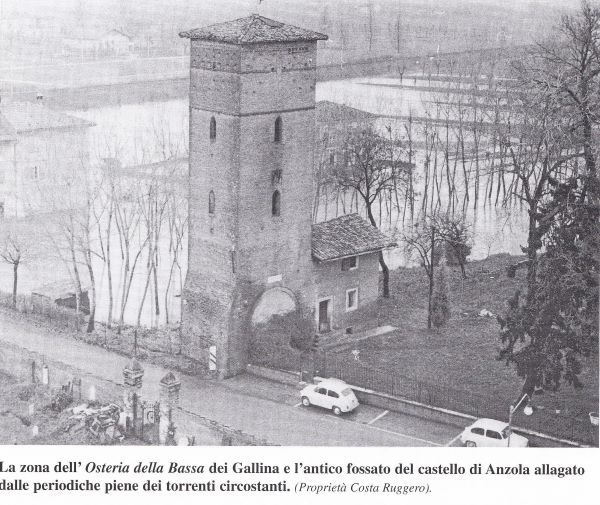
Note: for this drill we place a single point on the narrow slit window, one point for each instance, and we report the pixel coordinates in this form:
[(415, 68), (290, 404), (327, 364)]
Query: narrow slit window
[(276, 203), (213, 129), (211, 203), (278, 129)]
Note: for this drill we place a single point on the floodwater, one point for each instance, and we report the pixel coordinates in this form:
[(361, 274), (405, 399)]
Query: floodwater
[(155, 131)]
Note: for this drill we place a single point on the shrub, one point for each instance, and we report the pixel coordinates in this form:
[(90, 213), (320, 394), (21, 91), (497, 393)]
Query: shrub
[(440, 304), (283, 341)]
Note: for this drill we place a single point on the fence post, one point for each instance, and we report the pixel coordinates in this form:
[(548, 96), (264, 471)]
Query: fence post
[(45, 375), (169, 401), (156, 431), (132, 379)]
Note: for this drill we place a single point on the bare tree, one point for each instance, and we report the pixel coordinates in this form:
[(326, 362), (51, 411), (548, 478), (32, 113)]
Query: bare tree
[(177, 220), (127, 221), (540, 151), (568, 69), (429, 238), (15, 249), (371, 166)]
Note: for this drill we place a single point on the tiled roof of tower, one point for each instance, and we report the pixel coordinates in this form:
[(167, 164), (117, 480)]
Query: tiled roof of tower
[(29, 116), (347, 235), (253, 29)]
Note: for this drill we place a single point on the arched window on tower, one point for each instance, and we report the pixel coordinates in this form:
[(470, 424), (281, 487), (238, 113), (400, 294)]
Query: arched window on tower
[(278, 129), (276, 203), (211, 202), (213, 129)]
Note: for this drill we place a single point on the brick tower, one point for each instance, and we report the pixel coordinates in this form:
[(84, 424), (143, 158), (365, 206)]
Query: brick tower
[(252, 104)]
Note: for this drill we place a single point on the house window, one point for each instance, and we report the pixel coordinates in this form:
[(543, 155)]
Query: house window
[(332, 159), (278, 130), (350, 263), (213, 129), (351, 299), (276, 203), (211, 202)]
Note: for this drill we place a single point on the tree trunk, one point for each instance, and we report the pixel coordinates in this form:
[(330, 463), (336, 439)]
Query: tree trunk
[(92, 315), (108, 265), (124, 289), (15, 281), (167, 288), (386, 275), (384, 268), (139, 314), (431, 281), (78, 288), (532, 246), (155, 275)]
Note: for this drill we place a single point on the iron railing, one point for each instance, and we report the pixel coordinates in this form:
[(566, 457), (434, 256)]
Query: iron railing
[(575, 428)]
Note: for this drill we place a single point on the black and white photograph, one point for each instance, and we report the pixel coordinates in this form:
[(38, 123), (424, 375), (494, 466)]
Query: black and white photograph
[(325, 223)]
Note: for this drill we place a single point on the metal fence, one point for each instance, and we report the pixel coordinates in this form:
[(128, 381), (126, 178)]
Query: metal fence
[(575, 428)]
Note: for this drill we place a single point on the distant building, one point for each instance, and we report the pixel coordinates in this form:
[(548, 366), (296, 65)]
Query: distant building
[(110, 44), (253, 250), (334, 123), (62, 294), (39, 149)]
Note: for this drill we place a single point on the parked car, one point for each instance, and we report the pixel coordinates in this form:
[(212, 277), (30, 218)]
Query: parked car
[(491, 433), (331, 394)]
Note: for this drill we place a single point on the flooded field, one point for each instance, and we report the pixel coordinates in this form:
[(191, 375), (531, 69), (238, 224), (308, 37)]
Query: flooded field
[(122, 131)]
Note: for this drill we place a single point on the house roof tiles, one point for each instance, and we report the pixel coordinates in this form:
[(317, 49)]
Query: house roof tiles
[(348, 235)]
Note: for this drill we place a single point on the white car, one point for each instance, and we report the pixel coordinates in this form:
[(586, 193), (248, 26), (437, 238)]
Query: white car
[(331, 394), (491, 433)]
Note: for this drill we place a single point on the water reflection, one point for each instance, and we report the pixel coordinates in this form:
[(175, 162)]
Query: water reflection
[(155, 131)]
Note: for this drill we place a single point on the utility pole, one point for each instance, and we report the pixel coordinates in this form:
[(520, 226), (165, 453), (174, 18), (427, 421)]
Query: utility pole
[(511, 410)]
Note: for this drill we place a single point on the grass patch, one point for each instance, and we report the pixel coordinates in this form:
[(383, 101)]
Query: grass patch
[(462, 355)]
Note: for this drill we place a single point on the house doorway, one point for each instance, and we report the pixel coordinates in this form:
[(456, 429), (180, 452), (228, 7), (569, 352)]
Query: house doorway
[(324, 314)]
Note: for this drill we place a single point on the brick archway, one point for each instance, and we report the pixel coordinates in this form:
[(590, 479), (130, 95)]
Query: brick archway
[(273, 301)]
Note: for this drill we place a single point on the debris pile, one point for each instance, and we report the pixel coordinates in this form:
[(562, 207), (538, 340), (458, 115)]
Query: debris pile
[(102, 421)]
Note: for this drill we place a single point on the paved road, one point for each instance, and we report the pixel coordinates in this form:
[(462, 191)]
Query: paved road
[(259, 407)]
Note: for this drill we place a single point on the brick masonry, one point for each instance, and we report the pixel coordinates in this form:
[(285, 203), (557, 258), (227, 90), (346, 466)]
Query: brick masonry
[(241, 250), (237, 251)]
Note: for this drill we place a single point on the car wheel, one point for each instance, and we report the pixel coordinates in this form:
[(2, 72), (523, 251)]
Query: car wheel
[(337, 411), (305, 401), (470, 443)]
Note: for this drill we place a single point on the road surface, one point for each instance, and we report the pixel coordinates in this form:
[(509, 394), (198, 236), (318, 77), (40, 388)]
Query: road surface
[(265, 409)]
